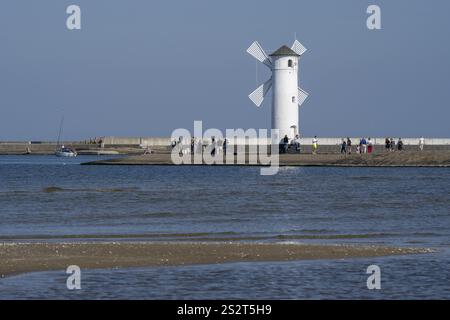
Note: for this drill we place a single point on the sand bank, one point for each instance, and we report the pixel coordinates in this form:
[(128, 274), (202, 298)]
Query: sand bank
[(16, 258)]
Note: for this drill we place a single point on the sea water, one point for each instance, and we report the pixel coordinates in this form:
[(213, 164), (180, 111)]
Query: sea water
[(45, 198)]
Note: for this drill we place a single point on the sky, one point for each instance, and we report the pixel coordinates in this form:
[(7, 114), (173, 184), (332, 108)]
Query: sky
[(145, 68)]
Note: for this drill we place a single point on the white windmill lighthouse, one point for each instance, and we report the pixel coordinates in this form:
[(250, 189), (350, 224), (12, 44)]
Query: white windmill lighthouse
[(287, 95)]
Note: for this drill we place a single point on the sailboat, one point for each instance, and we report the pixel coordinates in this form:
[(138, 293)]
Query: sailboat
[(63, 151)]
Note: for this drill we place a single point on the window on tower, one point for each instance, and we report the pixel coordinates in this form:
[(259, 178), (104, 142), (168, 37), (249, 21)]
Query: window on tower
[(293, 99), (290, 63)]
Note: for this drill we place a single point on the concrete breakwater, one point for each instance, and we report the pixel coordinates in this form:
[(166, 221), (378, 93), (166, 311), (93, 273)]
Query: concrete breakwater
[(324, 141), (134, 146), (48, 148), (384, 159)]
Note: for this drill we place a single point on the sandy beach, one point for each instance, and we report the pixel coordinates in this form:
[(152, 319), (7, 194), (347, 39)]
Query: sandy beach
[(17, 258)]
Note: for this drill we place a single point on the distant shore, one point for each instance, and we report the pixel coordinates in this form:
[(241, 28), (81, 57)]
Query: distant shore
[(384, 159), (17, 258)]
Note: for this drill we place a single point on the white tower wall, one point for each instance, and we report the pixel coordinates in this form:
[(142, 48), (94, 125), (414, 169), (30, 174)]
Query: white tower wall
[(285, 95)]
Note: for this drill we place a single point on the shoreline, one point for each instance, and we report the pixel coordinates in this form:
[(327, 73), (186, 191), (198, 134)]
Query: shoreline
[(24, 257)]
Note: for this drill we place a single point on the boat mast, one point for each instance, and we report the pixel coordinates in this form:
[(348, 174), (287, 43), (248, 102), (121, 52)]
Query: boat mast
[(60, 131)]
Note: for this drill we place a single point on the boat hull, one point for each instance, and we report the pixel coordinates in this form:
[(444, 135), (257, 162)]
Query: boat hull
[(65, 154)]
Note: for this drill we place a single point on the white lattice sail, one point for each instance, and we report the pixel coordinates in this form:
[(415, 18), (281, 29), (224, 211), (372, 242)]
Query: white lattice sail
[(258, 95), (302, 95), (298, 48), (258, 53)]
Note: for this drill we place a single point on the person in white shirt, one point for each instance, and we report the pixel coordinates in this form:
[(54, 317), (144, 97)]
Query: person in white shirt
[(296, 143), (421, 143)]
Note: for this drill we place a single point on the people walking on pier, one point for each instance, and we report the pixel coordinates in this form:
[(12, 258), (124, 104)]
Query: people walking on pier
[(400, 144), (349, 145), (183, 145), (363, 144), (296, 143), (225, 142), (343, 146), (315, 145), (180, 145), (392, 144), (192, 145), (213, 146), (369, 145), (285, 144), (421, 143), (195, 145), (387, 144)]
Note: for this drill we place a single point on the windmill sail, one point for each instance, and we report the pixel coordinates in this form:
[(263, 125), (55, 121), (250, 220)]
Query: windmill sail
[(258, 95), (298, 48), (302, 95), (259, 54)]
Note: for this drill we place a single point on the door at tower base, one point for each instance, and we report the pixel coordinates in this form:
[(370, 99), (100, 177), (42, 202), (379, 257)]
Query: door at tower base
[(293, 132), (287, 96)]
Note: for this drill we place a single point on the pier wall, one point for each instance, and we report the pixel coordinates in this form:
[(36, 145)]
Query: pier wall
[(162, 141), (162, 145)]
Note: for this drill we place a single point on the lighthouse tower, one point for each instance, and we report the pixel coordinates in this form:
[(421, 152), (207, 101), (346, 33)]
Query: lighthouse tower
[(287, 96)]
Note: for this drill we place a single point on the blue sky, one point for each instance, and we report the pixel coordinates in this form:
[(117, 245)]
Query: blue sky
[(144, 68)]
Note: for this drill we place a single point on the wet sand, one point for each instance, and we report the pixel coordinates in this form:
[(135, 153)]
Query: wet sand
[(17, 258), (384, 159)]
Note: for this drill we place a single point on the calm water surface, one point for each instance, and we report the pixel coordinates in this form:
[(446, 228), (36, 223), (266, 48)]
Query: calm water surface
[(51, 198)]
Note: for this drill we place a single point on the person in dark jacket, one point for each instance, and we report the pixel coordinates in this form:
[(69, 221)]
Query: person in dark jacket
[(349, 145), (400, 144), (344, 146), (285, 144)]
